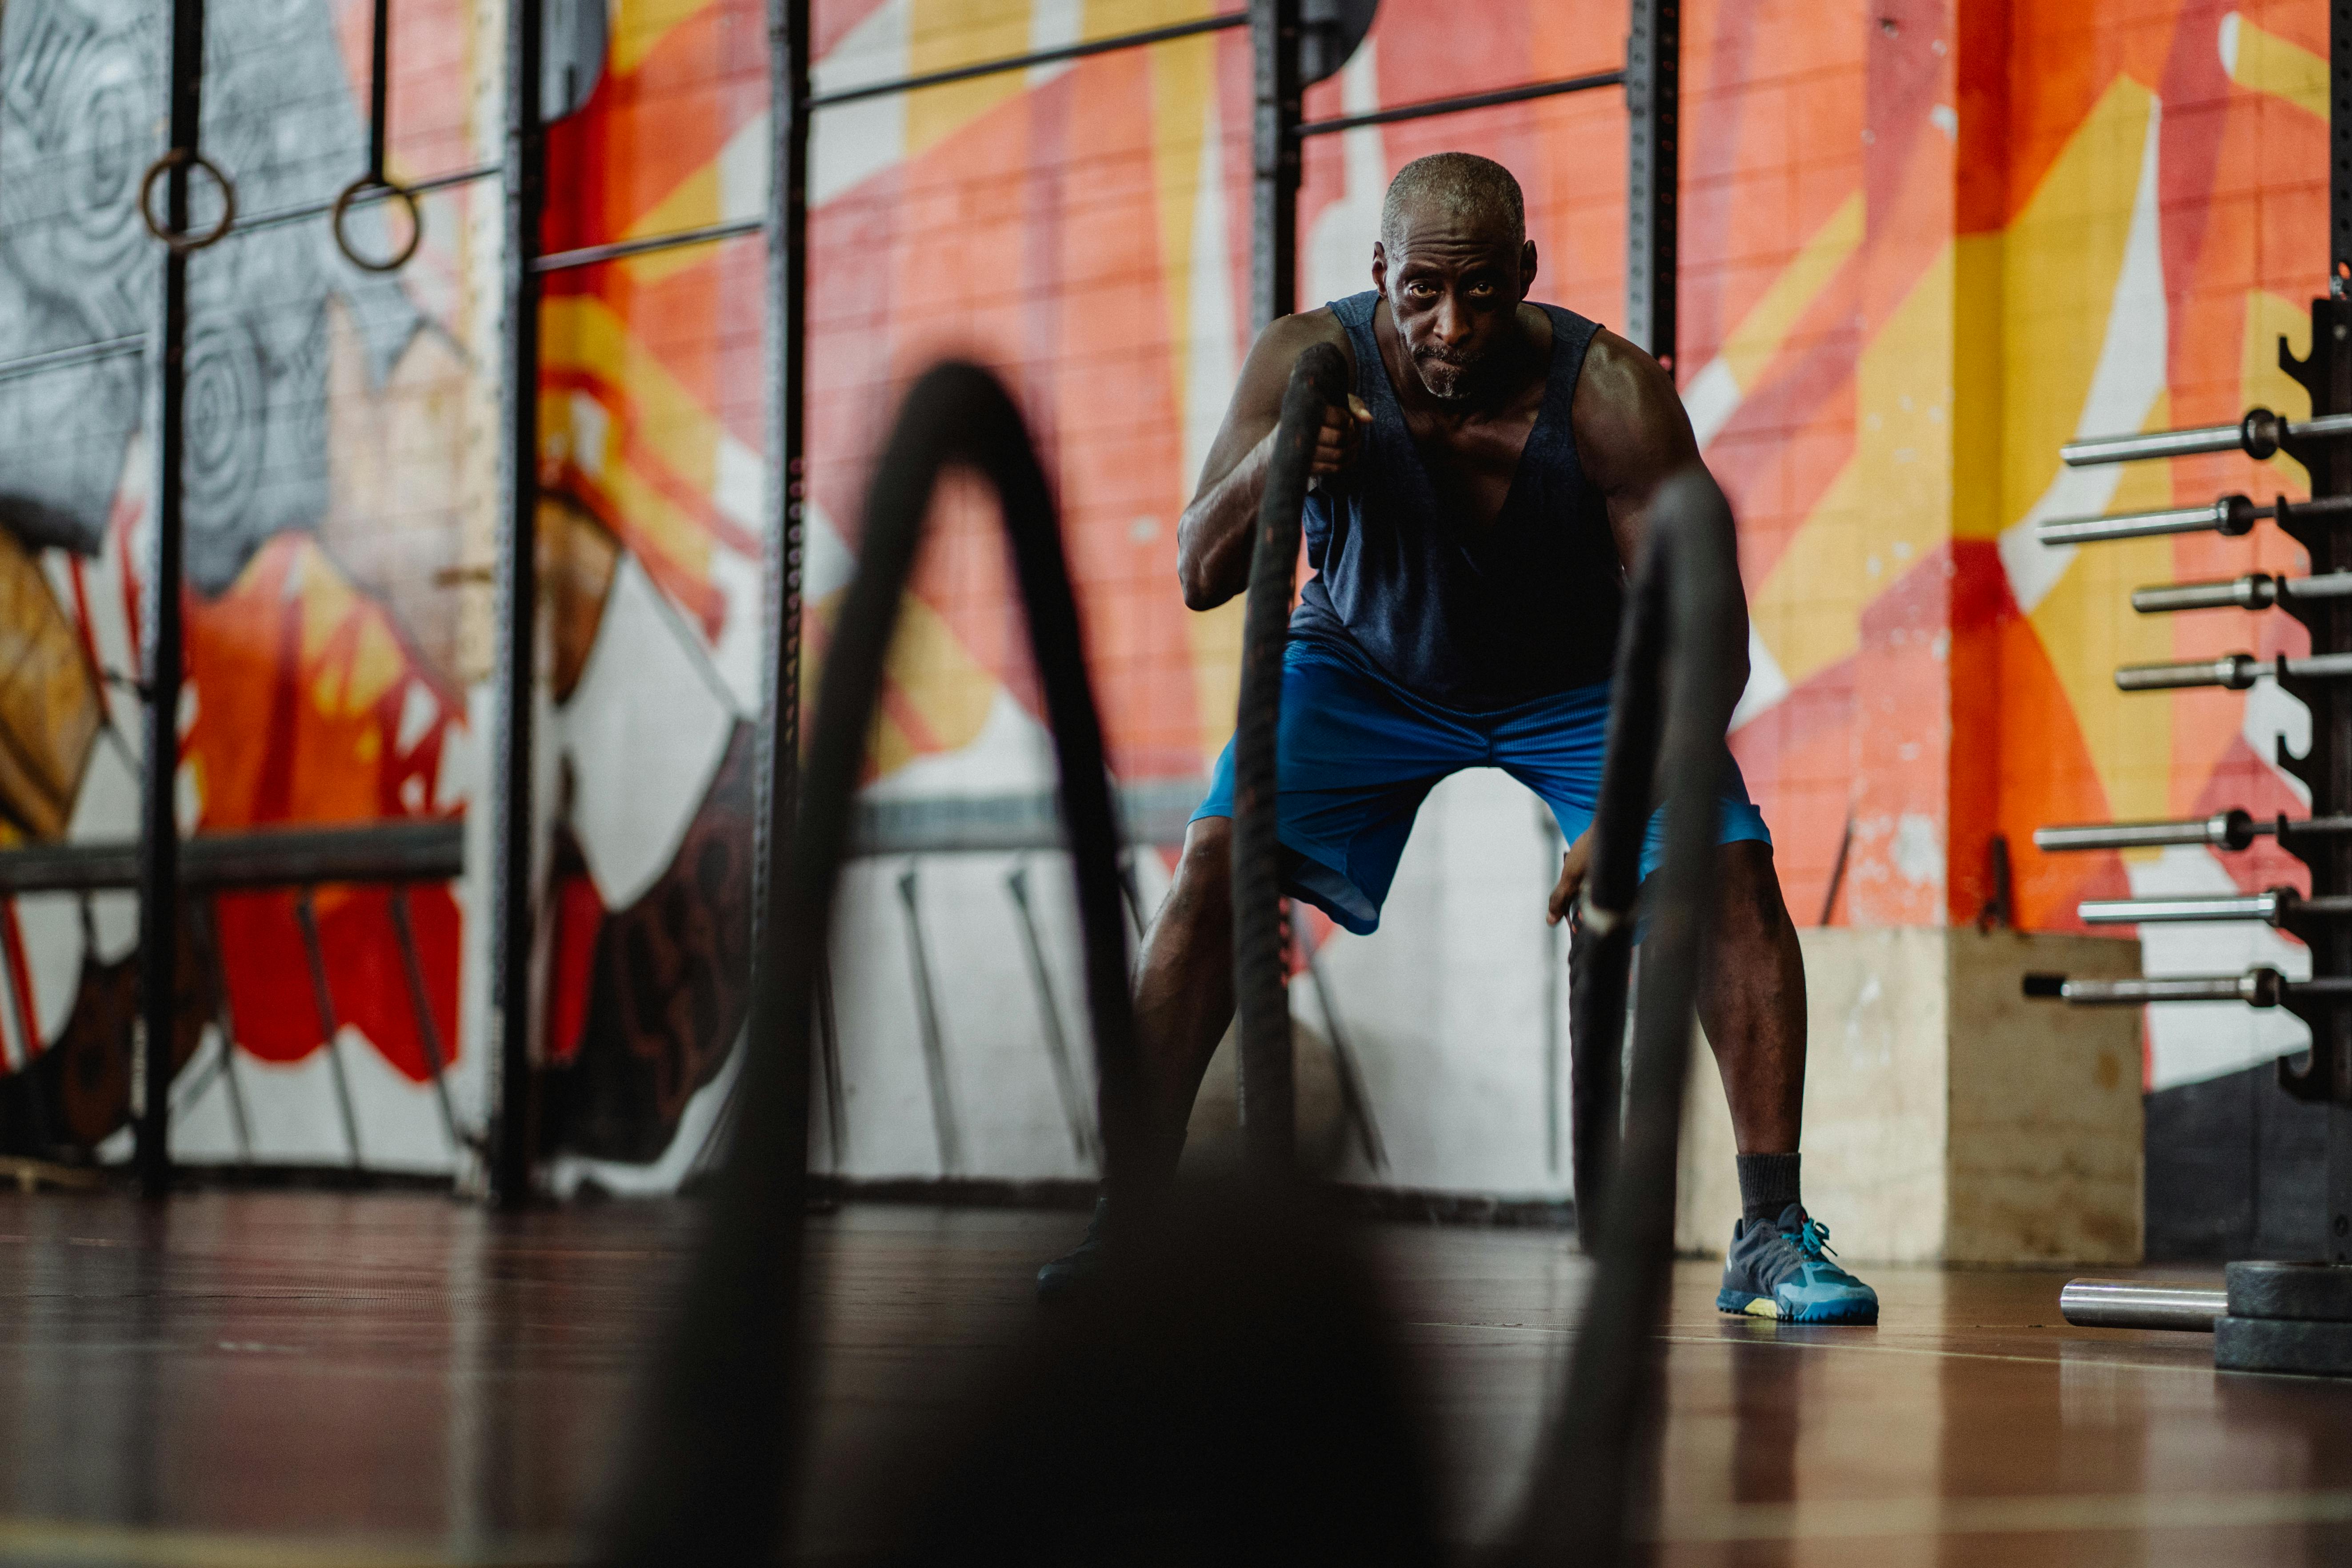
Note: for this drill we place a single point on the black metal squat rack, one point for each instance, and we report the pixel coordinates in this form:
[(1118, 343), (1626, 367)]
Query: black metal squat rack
[(2278, 1317)]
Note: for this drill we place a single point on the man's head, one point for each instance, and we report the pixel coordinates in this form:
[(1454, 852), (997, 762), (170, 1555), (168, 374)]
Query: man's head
[(1455, 261)]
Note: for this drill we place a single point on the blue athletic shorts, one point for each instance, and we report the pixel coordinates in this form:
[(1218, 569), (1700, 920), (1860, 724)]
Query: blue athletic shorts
[(1358, 753)]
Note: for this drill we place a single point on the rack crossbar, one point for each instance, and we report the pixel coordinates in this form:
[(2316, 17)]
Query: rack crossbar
[(1112, 45), (590, 255), (422, 851), (278, 217), (79, 353), (1466, 101)]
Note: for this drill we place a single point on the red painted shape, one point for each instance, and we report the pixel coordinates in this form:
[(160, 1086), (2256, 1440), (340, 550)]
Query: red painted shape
[(20, 983), (579, 917)]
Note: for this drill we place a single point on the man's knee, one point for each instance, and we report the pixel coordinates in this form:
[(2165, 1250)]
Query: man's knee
[(1204, 872), (1751, 887)]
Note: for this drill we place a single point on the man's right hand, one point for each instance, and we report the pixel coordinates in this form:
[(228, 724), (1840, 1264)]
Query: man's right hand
[(1340, 438)]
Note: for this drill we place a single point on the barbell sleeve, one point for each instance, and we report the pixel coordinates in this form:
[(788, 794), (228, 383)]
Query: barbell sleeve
[(2141, 1304), (2254, 590), (2230, 516), (2231, 829), (2255, 988), (2265, 906), (2273, 905), (2259, 434), (2236, 672)]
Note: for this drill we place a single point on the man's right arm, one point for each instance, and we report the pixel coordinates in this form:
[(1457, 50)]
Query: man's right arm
[(1214, 538)]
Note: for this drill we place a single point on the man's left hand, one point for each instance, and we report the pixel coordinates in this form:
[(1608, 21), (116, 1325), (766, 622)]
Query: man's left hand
[(1573, 866)]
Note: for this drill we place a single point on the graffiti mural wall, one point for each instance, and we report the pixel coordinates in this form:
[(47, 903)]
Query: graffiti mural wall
[(1923, 244)]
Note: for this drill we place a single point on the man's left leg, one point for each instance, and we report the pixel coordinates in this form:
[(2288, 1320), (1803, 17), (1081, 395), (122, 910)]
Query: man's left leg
[(1751, 1003)]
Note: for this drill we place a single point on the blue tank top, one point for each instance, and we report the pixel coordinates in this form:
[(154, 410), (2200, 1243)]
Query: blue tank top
[(1472, 619)]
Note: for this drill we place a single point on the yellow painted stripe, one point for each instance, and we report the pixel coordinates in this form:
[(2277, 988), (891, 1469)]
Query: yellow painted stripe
[(2264, 62), (640, 26), (1889, 507), (2059, 261), (1768, 322)]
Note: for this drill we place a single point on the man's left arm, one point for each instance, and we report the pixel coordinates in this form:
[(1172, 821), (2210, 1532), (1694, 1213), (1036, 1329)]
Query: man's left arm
[(1631, 436)]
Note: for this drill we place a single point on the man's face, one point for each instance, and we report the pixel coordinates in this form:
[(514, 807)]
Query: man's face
[(1453, 286)]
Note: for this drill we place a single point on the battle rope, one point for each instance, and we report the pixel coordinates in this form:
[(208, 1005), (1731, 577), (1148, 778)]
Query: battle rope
[(1317, 381), (1675, 684), (710, 1476)]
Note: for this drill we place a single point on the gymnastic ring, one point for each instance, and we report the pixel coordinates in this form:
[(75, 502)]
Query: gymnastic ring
[(350, 193), (186, 244)]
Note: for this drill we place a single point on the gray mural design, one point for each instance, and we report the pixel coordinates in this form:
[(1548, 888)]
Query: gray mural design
[(81, 107)]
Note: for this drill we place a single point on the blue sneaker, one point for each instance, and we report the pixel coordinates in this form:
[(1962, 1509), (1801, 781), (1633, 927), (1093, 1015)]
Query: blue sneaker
[(1783, 1272)]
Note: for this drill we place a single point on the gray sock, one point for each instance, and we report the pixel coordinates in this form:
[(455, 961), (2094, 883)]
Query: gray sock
[(1767, 1185)]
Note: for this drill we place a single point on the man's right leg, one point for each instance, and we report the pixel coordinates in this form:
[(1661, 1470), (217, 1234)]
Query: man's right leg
[(1184, 987), (1183, 1000)]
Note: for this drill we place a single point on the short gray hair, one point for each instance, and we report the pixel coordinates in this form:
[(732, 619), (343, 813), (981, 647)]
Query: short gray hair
[(1462, 186)]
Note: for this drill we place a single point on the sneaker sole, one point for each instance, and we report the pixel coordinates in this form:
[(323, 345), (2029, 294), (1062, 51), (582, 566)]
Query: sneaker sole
[(1746, 1304)]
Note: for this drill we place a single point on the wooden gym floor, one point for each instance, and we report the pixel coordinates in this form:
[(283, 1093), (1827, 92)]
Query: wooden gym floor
[(291, 1378)]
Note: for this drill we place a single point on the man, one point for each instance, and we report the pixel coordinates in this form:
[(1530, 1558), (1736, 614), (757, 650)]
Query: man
[(1473, 509)]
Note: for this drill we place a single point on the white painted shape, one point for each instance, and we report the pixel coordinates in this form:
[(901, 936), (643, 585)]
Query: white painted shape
[(1011, 753), (1054, 24), (567, 1172), (2190, 1041), (744, 172), (740, 485), (1711, 399), (2271, 714), (2129, 378), (591, 428), (1767, 682), (51, 926), (419, 711), (462, 760), (827, 561), (399, 1117), (853, 142), (2227, 42), (454, 781), (1945, 118), (887, 1096), (1340, 249), (735, 657), (290, 1107), (1210, 362), (645, 731), (1007, 1105), (204, 1130), (1918, 850), (106, 810)]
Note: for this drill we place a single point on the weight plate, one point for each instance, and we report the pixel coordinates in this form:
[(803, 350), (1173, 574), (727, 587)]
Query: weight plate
[(2309, 1292), (2279, 1344)]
